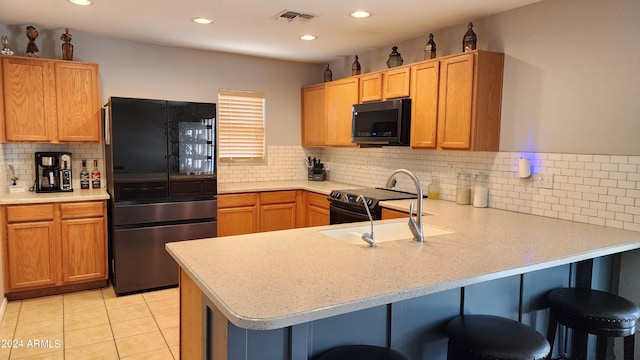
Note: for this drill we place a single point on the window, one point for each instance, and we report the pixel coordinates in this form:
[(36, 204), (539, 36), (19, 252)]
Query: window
[(241, 125)]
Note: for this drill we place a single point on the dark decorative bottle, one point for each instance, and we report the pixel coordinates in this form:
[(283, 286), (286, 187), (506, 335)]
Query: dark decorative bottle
[(469, 40), (84, 176), (430, 49), (95, 176), (395, 59), (355, 68), (328, 75)]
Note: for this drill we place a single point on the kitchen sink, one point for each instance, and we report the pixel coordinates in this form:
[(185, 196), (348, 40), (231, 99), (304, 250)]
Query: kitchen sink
[(382, 232)]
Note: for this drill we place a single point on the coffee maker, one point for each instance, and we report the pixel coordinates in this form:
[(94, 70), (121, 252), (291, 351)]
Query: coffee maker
[(53, 172)]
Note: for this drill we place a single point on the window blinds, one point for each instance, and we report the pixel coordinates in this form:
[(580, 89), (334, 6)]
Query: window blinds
[(241, 126)]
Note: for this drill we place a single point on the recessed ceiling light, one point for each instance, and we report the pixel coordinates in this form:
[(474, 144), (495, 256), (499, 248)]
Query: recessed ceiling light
[(80, 2), (308, 37), (360, 14), (201, 20)]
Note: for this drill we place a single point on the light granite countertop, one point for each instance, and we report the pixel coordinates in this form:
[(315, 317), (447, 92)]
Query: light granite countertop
[(322, 187), (276, 279), (27, 197)]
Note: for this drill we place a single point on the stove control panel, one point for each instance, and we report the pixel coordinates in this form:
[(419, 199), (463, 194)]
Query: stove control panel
[(351, 198)]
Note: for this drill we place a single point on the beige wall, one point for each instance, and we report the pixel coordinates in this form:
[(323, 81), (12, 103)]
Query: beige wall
[(132, 69), (570, 84)]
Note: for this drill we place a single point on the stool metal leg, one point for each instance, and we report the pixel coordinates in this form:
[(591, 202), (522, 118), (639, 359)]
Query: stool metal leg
[(552, 327), (629, 343), (601, 348)]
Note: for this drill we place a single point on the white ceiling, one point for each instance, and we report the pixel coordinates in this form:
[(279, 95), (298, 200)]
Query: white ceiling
[(247, 27)]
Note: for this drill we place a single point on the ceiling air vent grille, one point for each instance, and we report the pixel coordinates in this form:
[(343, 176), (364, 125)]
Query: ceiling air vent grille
[(289, 16)]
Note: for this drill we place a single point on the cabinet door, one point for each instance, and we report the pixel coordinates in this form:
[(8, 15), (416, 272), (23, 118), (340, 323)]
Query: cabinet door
[(317, 209), (314, 121), (78, 102), (31, 255), (29, 99), (277, 217), (396, 83), (340, 97), (455, 110), (371, 87), (424, 104), (393, 214), (83, 250), (236, 221)]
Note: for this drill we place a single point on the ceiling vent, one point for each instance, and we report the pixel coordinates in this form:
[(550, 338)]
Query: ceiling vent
[(289, 16)]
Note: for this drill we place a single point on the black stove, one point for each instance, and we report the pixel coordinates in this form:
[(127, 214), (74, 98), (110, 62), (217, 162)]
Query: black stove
[(343, 207)]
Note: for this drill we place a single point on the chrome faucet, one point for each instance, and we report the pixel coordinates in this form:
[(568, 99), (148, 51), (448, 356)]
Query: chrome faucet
[(368, 237), (414, 225)]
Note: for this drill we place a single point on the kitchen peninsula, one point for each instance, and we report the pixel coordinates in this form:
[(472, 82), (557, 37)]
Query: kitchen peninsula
[(293, 294)]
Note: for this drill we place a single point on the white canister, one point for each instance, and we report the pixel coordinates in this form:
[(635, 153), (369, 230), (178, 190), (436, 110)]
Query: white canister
[(481, 191)]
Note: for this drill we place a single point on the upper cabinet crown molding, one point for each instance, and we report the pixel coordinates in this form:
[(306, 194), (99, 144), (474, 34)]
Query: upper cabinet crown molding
[(47, 100)]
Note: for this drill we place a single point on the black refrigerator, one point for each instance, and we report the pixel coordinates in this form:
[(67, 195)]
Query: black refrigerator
[(161, 176)]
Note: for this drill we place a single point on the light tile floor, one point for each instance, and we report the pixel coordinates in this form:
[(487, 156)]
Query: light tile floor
[(92, 324)]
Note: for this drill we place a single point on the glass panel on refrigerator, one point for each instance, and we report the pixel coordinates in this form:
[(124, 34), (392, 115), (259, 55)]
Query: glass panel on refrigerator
[(192, 137)]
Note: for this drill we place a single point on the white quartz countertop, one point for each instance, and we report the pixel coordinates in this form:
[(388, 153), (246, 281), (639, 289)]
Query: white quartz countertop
[(276, 279), (323, 187), (27, 197)]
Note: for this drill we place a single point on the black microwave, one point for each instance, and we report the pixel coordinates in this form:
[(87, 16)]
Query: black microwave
[(382, 123)]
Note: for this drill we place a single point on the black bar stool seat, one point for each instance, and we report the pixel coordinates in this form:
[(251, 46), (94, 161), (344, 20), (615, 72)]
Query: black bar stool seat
[(361, 352), (595, 312), (489, 337)]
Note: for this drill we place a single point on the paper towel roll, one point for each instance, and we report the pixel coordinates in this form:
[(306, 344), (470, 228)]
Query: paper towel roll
[(524, 168)]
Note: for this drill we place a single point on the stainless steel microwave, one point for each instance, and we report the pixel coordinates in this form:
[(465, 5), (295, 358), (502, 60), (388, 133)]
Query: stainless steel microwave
[(382, 123)]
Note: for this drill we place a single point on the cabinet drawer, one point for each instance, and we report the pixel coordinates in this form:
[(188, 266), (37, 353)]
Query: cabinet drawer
[(236, 200), (278, 197), (25, 213), (319, 200), (81, 210)]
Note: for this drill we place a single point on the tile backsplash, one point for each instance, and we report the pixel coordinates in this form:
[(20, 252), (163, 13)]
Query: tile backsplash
[(21, 156), (596, 189)]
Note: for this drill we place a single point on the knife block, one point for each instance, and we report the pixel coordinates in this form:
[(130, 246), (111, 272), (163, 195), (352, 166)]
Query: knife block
[(316, 174)]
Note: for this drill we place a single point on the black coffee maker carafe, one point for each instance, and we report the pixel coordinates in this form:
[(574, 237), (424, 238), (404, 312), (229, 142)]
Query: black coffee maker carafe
[(53, 172)]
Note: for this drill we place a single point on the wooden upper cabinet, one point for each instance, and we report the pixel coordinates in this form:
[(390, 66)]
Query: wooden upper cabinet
[(470, 101), (424, 104), (78, 102), (314, 120), (46, 100), (396, 83), (371, 87), (29, 106), (456, 95), (340, 97)]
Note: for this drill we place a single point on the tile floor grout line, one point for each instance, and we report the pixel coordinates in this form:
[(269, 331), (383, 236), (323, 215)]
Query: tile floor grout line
[(158, 325), (113, 336)]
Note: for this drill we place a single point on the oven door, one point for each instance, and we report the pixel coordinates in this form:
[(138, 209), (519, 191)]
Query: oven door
[(340, 213)]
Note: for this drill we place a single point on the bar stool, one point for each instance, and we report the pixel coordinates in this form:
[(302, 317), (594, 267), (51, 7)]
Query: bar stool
[(361, 352), (593, 312), (489, 337)]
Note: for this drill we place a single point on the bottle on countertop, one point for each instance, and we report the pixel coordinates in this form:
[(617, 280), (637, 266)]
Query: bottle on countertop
[(95, 176), (433, 190), (84, 176)]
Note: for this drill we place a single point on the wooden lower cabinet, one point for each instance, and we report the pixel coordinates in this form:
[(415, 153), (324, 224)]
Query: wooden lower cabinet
[(31, 259), (393, 214), (83, 240), (237, 214), (278, 210), (53, 248), (246, 213), (317, 209)]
